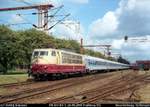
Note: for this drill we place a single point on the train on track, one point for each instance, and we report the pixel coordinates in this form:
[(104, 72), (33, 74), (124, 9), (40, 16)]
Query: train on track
[(54, 62), (141, 65)]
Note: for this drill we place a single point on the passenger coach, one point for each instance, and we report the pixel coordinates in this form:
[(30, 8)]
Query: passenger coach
[(98, 64)]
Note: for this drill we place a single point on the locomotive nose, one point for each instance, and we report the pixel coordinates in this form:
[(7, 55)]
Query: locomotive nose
[(39, 68), (36, 61)]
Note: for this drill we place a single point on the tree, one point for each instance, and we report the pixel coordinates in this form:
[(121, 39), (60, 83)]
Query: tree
[(8, 41), (30, 40), (93, 53), (16, 47), (122, 60)]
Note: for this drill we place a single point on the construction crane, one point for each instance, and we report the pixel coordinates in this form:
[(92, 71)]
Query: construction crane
[(42, 13), (105, 46)]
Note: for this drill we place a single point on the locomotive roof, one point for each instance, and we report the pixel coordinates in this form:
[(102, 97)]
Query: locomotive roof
[(57, 50)]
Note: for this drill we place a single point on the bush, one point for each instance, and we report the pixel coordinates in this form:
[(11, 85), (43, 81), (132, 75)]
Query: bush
[(2, 69)]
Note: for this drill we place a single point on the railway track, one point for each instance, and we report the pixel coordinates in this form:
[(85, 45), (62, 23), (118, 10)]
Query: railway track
[(43, 90), (101, 92), (66, 97), (16, 84), (112, 90)]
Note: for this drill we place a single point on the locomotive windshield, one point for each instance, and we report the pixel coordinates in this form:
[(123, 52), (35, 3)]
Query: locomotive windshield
[(36, 53), (43, 53), (40, 53)]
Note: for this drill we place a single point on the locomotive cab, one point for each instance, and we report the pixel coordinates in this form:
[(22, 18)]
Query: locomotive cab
[(44, 56), (42, 61)]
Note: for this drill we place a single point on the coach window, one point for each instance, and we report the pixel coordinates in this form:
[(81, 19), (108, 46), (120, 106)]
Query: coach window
[(53, 53)]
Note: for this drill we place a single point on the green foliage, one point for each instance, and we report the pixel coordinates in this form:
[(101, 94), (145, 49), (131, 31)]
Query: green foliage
[(11, 78), (29, 40), (8, 42), (93, 53), (16, 71), (122, 60), (16, 47), (67, 44)]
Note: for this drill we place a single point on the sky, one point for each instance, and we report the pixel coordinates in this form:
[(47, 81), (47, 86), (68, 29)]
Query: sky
[(98, 22)]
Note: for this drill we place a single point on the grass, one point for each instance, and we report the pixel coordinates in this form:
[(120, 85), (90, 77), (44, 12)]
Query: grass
[(13, 76), (16, 71), (6, 79)]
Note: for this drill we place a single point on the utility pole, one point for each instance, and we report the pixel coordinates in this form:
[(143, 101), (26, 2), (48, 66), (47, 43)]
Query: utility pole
[(42, 13), (81, 46)]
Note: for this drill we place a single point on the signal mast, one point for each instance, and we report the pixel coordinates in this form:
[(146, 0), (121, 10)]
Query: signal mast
[(136, 39)]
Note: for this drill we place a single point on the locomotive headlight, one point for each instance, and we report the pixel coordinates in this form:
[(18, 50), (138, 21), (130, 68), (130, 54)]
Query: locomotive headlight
[(45, 66)]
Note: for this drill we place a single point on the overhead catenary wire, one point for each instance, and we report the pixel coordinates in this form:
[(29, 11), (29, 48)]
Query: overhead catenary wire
[(27, 20), (44, 8), (25, 2), (13, 24), (59, 21), (58, 9), (51, 16), (66, 24), (55, 14), (35, 13)]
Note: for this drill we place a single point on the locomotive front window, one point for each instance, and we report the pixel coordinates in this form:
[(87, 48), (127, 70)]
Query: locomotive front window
[(36, 53), (43, 53)]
